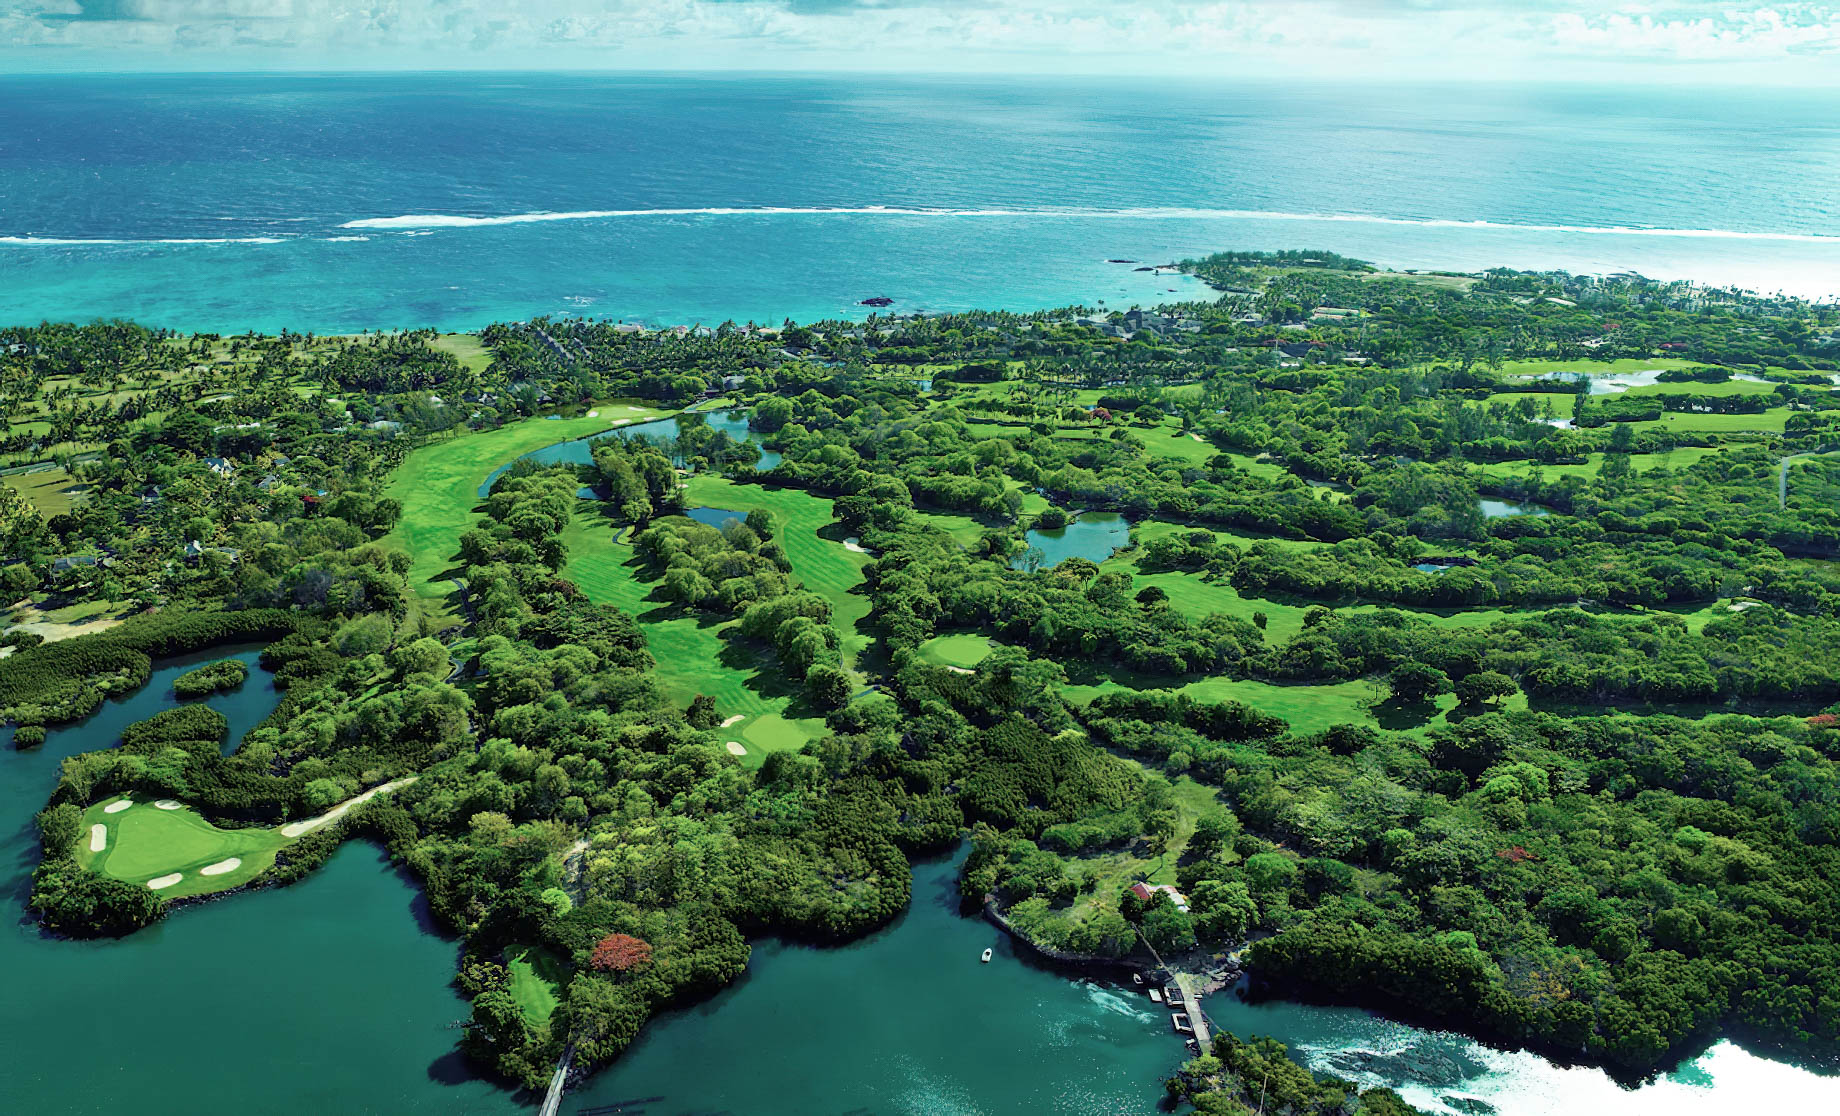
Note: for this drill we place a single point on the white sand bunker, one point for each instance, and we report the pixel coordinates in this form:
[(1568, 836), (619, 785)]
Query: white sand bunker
[(117, 807), (166, 804), (735, 720), (735, 748), (961, 670), (163, 882), (854, 547), (98, 837), (221, 867), (594, 414)]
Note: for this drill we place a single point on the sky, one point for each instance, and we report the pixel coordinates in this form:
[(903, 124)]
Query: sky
[(1734, 42)]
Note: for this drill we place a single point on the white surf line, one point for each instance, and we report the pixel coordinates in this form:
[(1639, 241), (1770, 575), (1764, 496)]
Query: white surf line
[(1150, 213), (98, 837), (117, 807), (161, 883), (221, 867), (73, 242), (295, 829)]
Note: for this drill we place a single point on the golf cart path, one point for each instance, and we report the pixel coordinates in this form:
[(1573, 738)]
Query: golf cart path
[(300, 828)]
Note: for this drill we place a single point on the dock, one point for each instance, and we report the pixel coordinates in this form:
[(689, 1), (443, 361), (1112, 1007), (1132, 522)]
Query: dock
[(1192, 1000), (552, 1100)]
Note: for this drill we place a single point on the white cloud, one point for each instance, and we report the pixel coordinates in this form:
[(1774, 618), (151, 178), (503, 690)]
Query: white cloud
[(1401, 38)]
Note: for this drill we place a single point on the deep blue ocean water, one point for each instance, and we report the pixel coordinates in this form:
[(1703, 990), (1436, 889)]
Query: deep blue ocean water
[(344, 202)]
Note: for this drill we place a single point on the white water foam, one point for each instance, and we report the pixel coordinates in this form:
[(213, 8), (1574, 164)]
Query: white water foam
[(456, 221), (53, 242)]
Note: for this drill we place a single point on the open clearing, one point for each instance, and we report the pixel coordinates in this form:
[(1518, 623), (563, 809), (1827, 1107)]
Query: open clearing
[(537, 977)]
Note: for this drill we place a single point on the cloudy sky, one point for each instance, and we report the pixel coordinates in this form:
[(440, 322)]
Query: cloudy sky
[(1683, 41)]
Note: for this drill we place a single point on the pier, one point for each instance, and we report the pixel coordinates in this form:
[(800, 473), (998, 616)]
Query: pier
[(1191, 999), (552, 1100)]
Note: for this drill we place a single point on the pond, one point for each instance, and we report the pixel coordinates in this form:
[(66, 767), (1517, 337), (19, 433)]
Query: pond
[(734, 423), (715, 517), (1095, 536), (1612, 384), (1501, 509)]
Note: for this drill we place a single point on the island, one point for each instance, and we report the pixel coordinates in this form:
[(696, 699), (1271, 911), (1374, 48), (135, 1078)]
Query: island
[(1455, 645)]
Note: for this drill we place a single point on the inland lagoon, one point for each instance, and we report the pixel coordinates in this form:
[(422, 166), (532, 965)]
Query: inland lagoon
[(348, 964)]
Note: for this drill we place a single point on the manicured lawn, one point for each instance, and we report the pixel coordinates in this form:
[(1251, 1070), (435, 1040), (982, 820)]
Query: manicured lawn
[(467, 348), (438, 485), (1726, 389), (1307, 708), (1619, 367), (1678, 458), (537, 977), (1562, 402), (51, 491), (963, 650), (1771, 421), (146, 842), (693, 654)]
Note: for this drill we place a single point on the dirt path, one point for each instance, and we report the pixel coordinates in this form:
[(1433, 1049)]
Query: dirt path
[(300, 828)]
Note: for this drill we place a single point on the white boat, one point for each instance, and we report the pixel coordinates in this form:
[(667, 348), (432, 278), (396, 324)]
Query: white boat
[(987, 955)]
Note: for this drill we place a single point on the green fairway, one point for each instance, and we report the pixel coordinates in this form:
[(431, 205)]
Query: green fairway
[(438, 484), (537, 977), (1622, 366), (49, 491), (693, 653), (964, 651), (1307, 708), (467, 348), (146, 842)]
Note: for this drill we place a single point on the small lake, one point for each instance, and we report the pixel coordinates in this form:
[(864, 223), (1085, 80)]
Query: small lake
[(1095, 536), (1609, 384), (734, 423), (1429, 567), (1502, 509), (715, 517)]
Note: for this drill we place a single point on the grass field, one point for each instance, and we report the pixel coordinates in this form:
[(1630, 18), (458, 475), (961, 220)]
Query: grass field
[(438, 485), (964, 650), (1771, 421), (693, 652), (146, 842), (1678, 458), (467, 348), (537, 977), (50, 491), (1619, 367)]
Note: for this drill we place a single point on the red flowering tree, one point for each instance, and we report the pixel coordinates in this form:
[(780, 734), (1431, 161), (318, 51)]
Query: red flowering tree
[(619, 953)]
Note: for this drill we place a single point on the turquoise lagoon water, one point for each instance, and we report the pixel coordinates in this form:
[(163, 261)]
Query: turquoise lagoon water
[(344, 203), (350, 202)]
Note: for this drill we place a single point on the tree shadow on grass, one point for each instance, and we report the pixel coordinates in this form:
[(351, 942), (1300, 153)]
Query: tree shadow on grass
[(1402, 716)]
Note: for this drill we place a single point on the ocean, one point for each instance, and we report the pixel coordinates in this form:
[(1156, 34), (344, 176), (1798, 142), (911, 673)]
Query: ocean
[(338, 203)]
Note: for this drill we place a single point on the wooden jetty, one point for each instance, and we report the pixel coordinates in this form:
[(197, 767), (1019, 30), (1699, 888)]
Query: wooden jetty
[(1192, 1000)]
